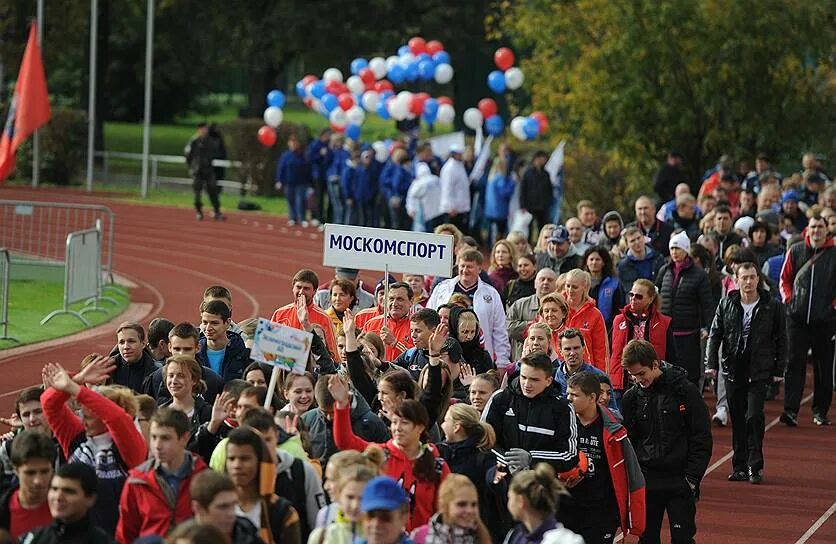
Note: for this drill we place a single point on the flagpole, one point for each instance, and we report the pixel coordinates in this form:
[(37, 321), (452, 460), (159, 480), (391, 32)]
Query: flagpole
[(146, 126), (91, 96), (36, 139)]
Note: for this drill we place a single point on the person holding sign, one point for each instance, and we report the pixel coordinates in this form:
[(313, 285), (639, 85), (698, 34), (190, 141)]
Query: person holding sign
[(393, 327), (302, 313)]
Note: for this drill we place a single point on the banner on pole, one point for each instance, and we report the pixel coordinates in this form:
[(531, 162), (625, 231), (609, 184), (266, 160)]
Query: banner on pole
[(281, 346), (366, 248)]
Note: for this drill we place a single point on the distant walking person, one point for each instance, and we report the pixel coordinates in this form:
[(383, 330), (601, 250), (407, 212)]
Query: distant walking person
[(200, 151)]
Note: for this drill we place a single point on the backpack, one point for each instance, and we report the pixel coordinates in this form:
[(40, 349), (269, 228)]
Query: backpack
[(292, 488)]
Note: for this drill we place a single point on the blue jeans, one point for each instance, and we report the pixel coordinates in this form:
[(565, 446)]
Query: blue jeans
[(296, 201)]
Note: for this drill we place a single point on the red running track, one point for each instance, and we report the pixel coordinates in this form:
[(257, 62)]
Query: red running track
[(172, 258)]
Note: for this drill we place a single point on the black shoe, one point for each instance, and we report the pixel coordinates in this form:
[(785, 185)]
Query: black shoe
[(738, 476), (821, 419), (199, 216), (755, 477), (790, 419), (219, 216)]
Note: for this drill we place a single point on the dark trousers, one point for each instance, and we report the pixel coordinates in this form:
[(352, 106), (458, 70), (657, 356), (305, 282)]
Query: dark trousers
[(497, 228), (208, 180), (460, 220), (746, 401), (800, 339), (681, 509), (541, 217), (321, 188), (688, 355), (595, 525)]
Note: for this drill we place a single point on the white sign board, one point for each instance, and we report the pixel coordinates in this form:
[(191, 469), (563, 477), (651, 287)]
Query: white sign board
[(281, 346), (366, 248), (441, 144)]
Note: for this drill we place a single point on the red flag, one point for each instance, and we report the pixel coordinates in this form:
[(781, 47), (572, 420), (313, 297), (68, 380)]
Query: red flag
[(29, 109)]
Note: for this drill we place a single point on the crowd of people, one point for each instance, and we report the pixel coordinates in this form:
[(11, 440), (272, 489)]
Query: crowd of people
[(556, 393)]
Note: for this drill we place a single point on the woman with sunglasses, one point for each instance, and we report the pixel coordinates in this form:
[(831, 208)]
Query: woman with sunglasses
[(639, 319)]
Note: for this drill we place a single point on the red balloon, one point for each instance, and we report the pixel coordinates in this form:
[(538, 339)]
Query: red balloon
[(417, 45), (346, 101), (367, 76), (445, 100), (267, 136), (542, 120), (417, 104), (308, 102), (308, 79), (504, 58), (335, 128), (488, 107), (434, 46), (383, 85), (334, 87)]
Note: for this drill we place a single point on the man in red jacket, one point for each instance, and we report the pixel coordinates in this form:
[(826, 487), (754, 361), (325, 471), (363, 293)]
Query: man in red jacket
[(302, 313), (156, 495), (611, 492)]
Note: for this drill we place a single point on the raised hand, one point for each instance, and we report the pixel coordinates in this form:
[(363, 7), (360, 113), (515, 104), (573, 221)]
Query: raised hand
[(59, 379), (339, 390), (438, 337), (97, 372), (220, 406), (466, 374), (348, 322), (302, 313), (12, 421)]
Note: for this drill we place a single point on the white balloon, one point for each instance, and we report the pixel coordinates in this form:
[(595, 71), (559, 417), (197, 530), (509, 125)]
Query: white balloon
[(380, 151), (514, 78), (399, 108), (407, 58), (378, 66), (443, 74), (446, 114), (370, 100), (273, 116), (338, 118), (355, 115), (518, 127), (391, 61), (355, 85), (332, 74), (472, 118)]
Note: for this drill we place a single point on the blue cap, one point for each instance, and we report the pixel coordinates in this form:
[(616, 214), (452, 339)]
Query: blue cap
[(382, 493), (789, 196), (559, 235)]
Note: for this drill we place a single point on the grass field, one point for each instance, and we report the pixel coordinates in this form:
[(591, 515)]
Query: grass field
[(31, 301)]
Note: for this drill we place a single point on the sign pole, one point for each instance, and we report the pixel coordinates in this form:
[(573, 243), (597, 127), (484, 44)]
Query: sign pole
[(274, 379), (385, 295), (36, 138)]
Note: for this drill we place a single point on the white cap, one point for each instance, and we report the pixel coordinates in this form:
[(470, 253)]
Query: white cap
[(456, 148), (744, 224), (681, 241)]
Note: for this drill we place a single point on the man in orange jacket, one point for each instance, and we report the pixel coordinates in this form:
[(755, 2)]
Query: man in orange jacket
[(393, 328), (305, 284)]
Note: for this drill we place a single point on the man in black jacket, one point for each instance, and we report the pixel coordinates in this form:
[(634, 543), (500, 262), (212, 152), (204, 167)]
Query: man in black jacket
[(536, 191), (134, 361), (669, 176), (668, 424), (200, 152), (749, 325)]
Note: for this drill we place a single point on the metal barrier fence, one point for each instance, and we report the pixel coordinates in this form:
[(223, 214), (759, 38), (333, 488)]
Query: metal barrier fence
[(5, 274), (40, 229)]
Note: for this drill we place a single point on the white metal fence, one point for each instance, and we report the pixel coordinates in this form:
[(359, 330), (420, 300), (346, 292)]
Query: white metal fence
[(5, 275)]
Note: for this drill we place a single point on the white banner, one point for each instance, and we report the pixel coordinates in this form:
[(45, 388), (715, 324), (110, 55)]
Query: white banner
[(441, 144), (366, 248)]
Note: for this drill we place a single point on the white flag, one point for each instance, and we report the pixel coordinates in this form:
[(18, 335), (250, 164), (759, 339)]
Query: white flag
[(555, 165), (482, 160)]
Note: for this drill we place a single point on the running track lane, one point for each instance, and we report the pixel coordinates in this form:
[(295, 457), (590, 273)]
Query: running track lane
[(163, 250)]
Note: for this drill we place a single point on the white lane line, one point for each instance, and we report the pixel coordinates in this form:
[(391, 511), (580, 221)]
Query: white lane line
[(815, 527)]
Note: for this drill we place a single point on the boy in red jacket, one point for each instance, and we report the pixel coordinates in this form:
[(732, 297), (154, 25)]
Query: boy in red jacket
[(156, 495)]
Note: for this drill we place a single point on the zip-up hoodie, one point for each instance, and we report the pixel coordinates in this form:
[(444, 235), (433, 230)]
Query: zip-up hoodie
[(626, 474), (588, 319), (807, 286)]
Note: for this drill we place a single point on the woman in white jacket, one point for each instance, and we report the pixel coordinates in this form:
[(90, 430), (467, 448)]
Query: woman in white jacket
[(424, 197)]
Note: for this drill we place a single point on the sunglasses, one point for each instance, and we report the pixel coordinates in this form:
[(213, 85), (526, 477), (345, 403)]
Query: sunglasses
[(637, 296)]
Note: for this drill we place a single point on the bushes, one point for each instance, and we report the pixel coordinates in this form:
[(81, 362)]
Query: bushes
[(63, 148), (259, 161)]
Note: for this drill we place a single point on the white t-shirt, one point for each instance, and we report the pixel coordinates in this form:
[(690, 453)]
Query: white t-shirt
[(253, 515), (748, 313)]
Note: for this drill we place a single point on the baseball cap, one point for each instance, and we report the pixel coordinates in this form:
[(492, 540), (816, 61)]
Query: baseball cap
[(789, 196), (560, 234), (382, 283), (347, 273), (382, 493)]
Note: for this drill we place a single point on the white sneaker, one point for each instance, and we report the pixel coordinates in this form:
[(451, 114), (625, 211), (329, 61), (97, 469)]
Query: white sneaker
[(304, 224), (291, 223), (315, 222)]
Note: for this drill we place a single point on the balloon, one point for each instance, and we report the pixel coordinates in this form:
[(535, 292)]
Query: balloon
[(273, 116), (380, 151), (542, 120), (434, 46), (335, 87), (473, 118), (367, 76), (424, 56), (338, 118), (355, 85), (518, 128), (370, 100), (430, 109), (531, 127), (443, 74), (391, 61), (266, 136), (383, 111), (426, 69), (487, 107), (504, 58), (416, 105), (397, 74), (383, 85), (337, 128), (378, 67), (352, 132), (308, 79), (442, 57), (300, 89), (403, 50), (514, 78), (332, 74), (329, 102), (494, 125), (407, 58), (417, 45), (358, 64), (309, 102), (496, 82), (445, 100), (346, 101), (318, 89), (355, 116), (412, 71), (446, 114)]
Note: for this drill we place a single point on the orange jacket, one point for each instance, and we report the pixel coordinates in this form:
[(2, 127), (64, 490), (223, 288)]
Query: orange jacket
[(399, 327), (590, 322), (286, 315), (364, 316)]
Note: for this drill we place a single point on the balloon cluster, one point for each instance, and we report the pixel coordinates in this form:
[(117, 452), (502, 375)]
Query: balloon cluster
[(529, 128), (273, 117), (486, 113), (508, 77)]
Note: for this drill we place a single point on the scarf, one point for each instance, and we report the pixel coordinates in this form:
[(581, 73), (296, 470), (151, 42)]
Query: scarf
[(436, 532)]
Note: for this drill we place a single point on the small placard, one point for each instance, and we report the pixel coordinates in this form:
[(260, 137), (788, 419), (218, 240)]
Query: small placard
[(281, 346)]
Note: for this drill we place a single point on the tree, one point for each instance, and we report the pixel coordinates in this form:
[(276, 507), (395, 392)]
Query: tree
[(637, 78)]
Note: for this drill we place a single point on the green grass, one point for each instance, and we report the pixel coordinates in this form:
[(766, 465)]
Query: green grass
[(31, 301)]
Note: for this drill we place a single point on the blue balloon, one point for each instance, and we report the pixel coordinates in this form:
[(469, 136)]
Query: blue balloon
[(352, 132), (424, 56), (397, 74), (442, 57), (494, 125), (496, 81), (275, 98), (531, 128), (382, 111), (358, 64), (318, 89), (329, 102), (412, 71), (300, 89), (426, 69), (430, 109), (403, 50), (386, 94)]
